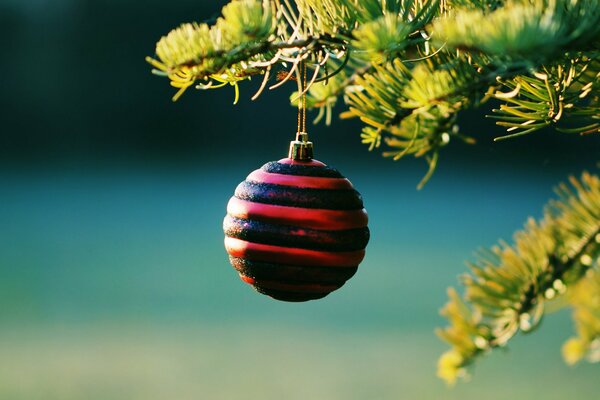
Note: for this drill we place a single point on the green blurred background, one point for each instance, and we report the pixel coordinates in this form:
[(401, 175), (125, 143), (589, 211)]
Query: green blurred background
[(113, 279)]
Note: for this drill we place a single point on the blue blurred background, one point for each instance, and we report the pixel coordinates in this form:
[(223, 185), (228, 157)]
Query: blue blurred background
[(113, 279)]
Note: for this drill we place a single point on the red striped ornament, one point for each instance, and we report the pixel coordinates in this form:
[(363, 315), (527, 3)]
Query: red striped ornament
[(296, 230)]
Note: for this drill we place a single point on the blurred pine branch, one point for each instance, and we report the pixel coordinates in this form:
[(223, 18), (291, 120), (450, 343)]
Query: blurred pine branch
[(554, 260)]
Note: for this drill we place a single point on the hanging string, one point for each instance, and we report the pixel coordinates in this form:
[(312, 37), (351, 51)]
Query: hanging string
[(301, 149), (300, 105), (302, 100)]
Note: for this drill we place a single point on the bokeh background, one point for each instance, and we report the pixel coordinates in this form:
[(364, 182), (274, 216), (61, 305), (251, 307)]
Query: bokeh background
[(113, 279)]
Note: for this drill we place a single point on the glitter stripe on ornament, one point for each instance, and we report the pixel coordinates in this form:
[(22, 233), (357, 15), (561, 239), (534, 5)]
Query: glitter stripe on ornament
[(291, 287), (294, 236), (291, 255), (289, 296), (299, 197), (304, 163), (292, 273), (301, 217), (301, 169)]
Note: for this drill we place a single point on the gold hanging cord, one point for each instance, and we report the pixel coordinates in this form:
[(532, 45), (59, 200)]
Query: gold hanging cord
[(301, 149)]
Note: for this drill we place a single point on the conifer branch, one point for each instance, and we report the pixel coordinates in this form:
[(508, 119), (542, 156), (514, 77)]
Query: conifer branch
[(556, 93), (537, 31), (540, 57), (509, 286)]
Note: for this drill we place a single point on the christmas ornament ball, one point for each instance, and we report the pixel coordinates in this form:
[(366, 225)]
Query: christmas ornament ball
[(296, 230)]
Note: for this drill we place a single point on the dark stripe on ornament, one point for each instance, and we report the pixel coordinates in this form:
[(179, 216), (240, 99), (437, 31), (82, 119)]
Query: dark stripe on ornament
[(291, 287), (267, 193), (286, 292), (293, 236), (290, 296), (311, 162), (301, 170), (292, 273)]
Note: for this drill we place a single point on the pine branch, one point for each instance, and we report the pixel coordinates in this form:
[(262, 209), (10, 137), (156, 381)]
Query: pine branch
[(557, 93), (413, 110), (537, 31), (253, 36), (538, 56), (509, 286), (246, 41)]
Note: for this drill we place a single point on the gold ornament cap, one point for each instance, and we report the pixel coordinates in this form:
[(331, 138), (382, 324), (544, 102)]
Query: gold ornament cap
[(301, 149)]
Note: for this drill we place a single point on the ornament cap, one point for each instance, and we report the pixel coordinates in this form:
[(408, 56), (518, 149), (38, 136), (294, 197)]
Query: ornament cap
[(301, 149)]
